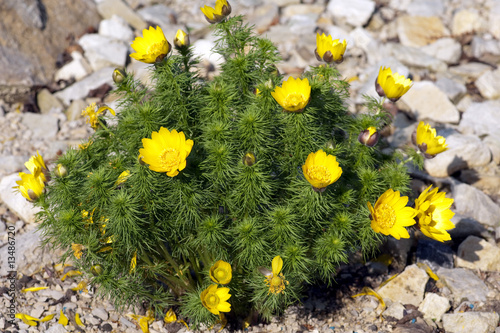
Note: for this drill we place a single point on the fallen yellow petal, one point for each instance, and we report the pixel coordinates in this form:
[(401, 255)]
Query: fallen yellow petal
[(63, 320), (367, 291), (28, 320), (183, 322), (81, 286), (144, 324), (70, 274), (428, 270), (78, 321), (104, 249), (48, 317), (170, 317), (133, 263), (33, 289), (387, 281), (60, 267)]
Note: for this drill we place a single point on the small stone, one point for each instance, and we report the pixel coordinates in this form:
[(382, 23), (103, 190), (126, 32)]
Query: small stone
[(477, 254), (466, 322), (70, 306), (488, 84), (56, 328), (452, 88), (395, 310), (406, 288), (426, 8), (493, 142), (100, 313), (487, 50), (481, 119), (80, 89), (37, 311), (469, 71), (264, 17), (51, 293), (203, 49), (465, 227), (76, 69), (474, 203), (106, 327), (158, 15), (418, 31), (414, 57), (43, 126), (494, 20), (465, 21), (92, 320), (354, 12), (12, 163), (434, 254), (463, 284), (434, 306), (464, 151), (427, 101), (108, 8), (102, 51), (126, 322), (302, 9), (48, 103), (75, 109), (116, 28), (283, 3), (445, 49)]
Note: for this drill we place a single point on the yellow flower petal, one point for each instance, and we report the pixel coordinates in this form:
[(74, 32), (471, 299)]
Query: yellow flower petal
[(70, 274), (63, 320), (48, 317), (133, 263), (170, 316), (78, 321), (33, 289), (28, 320), (367, 291)]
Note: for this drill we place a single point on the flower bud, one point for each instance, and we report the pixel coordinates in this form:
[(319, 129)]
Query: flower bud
[(249, 159), (369, 137), (119, 75), (61, 171), (181, 40), (32, 195), (96, 270)]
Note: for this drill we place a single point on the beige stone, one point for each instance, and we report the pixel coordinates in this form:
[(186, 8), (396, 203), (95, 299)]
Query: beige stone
[(466, 21), (419, 31), (406, 288), (476, 253)]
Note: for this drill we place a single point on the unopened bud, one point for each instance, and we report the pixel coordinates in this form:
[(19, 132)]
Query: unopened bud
[(379, 89), (61, 171), (330, 144), (140, 158), (269, 84), (369, 137), (96, 270), (119, 75), (181, 40), (33, 196), (249, 159)]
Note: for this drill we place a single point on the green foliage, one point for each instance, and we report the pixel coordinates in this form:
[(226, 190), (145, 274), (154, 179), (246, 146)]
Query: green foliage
[(220, 207)]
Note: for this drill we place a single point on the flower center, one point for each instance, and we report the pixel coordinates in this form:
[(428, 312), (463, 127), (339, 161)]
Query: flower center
[(320, 173), (385, 216), (220, 274), (169, 158), (212, 300), (293, 100)]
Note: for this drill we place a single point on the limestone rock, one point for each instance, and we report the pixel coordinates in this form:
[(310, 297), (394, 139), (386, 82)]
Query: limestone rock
[(463, 284), (465, 227), (489, 84), (75, 109), (15, 201), (418, 31), (427, 101), (43, 126), (493, 142), (395, 310), (466, 20), (264, 16), (108, 8), (467, 322), (476, 253), (472, 202), (469, 71), (76, 69), (464, 151), (406, 288), (425, 8), (354, 12), (482, 118), (158, 15), (452, 88), (116, 28), (494, 20), (102, 51), (28, 50), (48, 103), (487, 50), (445, 49), (414, 57), (434, 306)]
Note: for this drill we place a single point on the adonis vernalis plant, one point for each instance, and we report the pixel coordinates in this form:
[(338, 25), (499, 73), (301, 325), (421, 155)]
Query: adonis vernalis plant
[(209, 200)]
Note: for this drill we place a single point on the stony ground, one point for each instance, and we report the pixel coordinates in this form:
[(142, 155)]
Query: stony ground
[(451, 49)]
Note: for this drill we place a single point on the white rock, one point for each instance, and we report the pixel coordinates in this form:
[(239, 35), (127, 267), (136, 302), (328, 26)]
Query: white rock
[(469, 71), (363, 39), (418, 31), (51, 293), (445, 49), (452, 88), (283, 3), (108, 8), (264, 17), (481, 47), (116, 28), (477, 254), (47, 102), (80, 89), (427, 101), (406, 288), (426, 8), (463, 284), (204, 49), (396, 310), (102, 51), (494, 20), (482, 118), (467, 322), (354, 12), (77, 69), (158, 15), (466, 20), (43, 126), (464, 151), (100, 313), (493, 142), (56, 328), (434, 306), (472, 202), (414, 57), (489, 84)]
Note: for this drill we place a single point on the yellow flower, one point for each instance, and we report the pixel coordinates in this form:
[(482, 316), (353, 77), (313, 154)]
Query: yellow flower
[(215, 299), (86, 145), (181, 39), (31, 187), (434, 214), (275, 279), (390, 215), (369, 137), (321, 170), (166, 151), (426, 140), (217, 14), (93, 115), (122, 178), (329, 50), (152, 47), (170, 316), (37, 167), (221, 272), (133, 263), (77, 250), (391, 85), (294, 94), (81, 286)]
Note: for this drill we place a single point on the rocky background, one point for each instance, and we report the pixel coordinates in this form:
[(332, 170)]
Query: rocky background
[(57, 56)]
